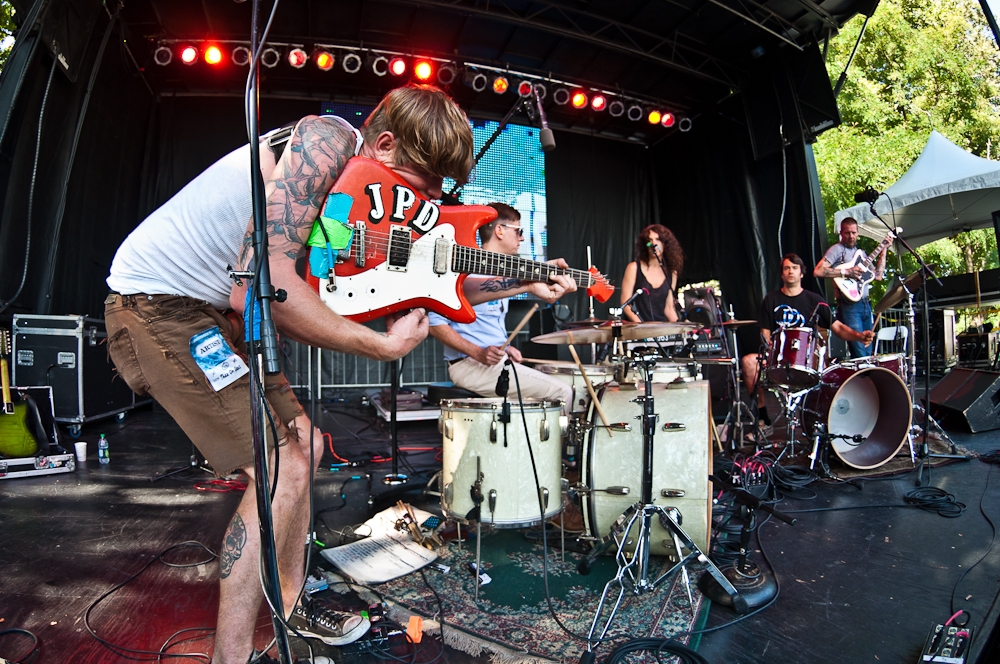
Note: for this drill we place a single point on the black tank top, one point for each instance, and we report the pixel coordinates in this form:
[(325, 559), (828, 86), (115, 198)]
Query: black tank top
[(650, 307)]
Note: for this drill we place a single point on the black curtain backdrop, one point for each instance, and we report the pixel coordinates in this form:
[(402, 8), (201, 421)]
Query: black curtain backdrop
[(724, 207), (600, 194)]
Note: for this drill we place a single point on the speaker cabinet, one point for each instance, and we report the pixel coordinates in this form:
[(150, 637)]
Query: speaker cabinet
[(968, 398)]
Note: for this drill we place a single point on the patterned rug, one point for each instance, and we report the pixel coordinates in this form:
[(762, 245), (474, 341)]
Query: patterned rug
[(511, 621)]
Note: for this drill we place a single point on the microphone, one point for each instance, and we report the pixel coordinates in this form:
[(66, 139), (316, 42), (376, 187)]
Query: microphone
[(869, 195), (544, 134), (503, 382), (637, 293)]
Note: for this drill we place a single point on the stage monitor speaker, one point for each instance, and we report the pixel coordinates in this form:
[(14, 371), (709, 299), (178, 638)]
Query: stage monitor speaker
[(968, 397)]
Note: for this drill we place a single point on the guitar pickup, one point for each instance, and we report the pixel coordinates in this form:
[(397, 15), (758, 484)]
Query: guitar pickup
[(359, 243), (400, 242), (442, 247)]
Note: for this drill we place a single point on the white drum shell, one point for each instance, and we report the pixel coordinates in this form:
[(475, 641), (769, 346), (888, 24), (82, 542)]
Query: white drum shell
[(570, 374), (682, 460), (465, 425)]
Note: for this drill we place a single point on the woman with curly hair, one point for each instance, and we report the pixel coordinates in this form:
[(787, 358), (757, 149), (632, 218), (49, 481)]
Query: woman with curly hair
[(658, 261)]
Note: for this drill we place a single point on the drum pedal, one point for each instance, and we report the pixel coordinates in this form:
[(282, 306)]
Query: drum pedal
[(947, 644)]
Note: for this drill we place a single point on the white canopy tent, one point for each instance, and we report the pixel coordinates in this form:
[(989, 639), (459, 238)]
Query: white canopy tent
[(946, 191)]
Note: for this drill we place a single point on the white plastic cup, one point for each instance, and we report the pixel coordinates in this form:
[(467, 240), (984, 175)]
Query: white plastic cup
[(81, 451)]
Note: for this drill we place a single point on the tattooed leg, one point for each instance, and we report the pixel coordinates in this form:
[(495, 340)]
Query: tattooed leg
[(232, 545)]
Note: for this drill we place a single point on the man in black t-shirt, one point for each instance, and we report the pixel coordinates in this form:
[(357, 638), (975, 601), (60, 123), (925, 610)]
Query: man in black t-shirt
[(792, 306)]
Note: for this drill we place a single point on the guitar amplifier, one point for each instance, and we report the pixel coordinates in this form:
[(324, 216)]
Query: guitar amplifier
[(977, 351), (68, 353)]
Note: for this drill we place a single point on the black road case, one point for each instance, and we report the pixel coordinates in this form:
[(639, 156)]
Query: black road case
[(69, 353)]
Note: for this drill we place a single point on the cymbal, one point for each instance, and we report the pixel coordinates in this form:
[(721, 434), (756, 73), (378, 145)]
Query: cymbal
[(739, 323), (896, 294), (586, 322), (601, 334)]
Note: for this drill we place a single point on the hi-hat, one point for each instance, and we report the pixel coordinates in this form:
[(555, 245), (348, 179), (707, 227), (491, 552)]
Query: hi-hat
[(602, 334), (738, 323)]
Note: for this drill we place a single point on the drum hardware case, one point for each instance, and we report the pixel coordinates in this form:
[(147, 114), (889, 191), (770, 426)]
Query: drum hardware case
[(69, 353)]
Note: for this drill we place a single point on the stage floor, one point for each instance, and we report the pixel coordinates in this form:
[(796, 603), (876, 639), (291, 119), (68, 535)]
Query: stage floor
[(863, 577)]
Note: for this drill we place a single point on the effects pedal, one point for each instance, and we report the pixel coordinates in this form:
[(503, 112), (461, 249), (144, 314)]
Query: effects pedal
[(946, 644)]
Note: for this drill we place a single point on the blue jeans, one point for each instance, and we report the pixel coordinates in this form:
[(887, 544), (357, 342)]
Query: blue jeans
[(857, 316)]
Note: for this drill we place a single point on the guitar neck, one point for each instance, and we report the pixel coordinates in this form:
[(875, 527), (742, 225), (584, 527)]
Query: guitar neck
[(470, 260), (869, 260)]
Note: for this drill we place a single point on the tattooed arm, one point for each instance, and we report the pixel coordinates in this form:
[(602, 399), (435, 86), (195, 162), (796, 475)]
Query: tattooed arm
[(316, 154), (484, 289)]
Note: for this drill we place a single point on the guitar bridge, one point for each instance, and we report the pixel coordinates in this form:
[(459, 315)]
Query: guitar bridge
[(400, 242), (359, 243)]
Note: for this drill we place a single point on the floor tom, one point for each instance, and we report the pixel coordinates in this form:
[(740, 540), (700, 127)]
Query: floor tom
[(472, 431)]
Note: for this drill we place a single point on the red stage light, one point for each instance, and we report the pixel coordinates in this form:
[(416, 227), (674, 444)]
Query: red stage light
[(500, 85), (423, 70), (298, 58), (654, 117), (599, 102), (524, 89), (397, 66), (189, 54), (213, 55), (579, 99), (324, 61), (668, 120)]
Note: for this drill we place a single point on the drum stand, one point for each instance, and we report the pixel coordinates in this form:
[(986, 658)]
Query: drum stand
[(634, 570), (790, 402)]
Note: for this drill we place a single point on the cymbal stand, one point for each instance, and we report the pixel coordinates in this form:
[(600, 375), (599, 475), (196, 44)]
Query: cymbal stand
[(633, 570), (734, 418)]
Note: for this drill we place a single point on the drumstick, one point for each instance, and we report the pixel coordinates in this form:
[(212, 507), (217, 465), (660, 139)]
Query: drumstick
[(590, 388), (524, 321)]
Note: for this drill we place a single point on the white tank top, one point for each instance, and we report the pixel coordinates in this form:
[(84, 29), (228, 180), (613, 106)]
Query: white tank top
[(184, 246)]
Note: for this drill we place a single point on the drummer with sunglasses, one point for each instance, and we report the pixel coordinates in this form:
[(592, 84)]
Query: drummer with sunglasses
[(792, 306)]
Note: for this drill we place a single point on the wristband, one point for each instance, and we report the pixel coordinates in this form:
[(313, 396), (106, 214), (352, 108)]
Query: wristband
[(843, 272)]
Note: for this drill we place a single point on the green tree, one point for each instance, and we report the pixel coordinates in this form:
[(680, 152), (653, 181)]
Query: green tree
[(921, 65), (7, 28)]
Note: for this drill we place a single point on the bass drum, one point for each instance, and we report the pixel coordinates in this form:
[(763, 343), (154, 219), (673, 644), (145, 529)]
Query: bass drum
[(868, 401), (682, 461), (472, 432)]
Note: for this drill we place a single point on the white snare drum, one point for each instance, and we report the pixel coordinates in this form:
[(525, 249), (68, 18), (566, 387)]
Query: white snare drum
[(682, 461), (570, 374), (472, 431)]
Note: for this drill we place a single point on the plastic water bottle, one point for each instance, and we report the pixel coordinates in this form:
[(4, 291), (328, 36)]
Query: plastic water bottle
[(102, 450)]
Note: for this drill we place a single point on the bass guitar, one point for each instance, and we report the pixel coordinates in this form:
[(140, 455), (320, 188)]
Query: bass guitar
[(853, 287), (391, 250), (16, 440)]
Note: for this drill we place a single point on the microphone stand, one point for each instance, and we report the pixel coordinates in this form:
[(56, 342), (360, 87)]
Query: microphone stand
[(520, 104), (754, 586), (928, 273), (395, 477), (263, 347)]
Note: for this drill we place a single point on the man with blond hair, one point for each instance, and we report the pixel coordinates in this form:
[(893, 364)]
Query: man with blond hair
[(174, 318)]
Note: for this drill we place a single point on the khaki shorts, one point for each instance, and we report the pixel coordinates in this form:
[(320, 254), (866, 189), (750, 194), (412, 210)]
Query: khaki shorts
[(149, 341)]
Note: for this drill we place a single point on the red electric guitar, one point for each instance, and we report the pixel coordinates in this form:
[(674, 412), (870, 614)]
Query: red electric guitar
[(407, 252)]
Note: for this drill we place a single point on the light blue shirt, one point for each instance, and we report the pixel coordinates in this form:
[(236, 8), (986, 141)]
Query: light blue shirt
[(489, 328)]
